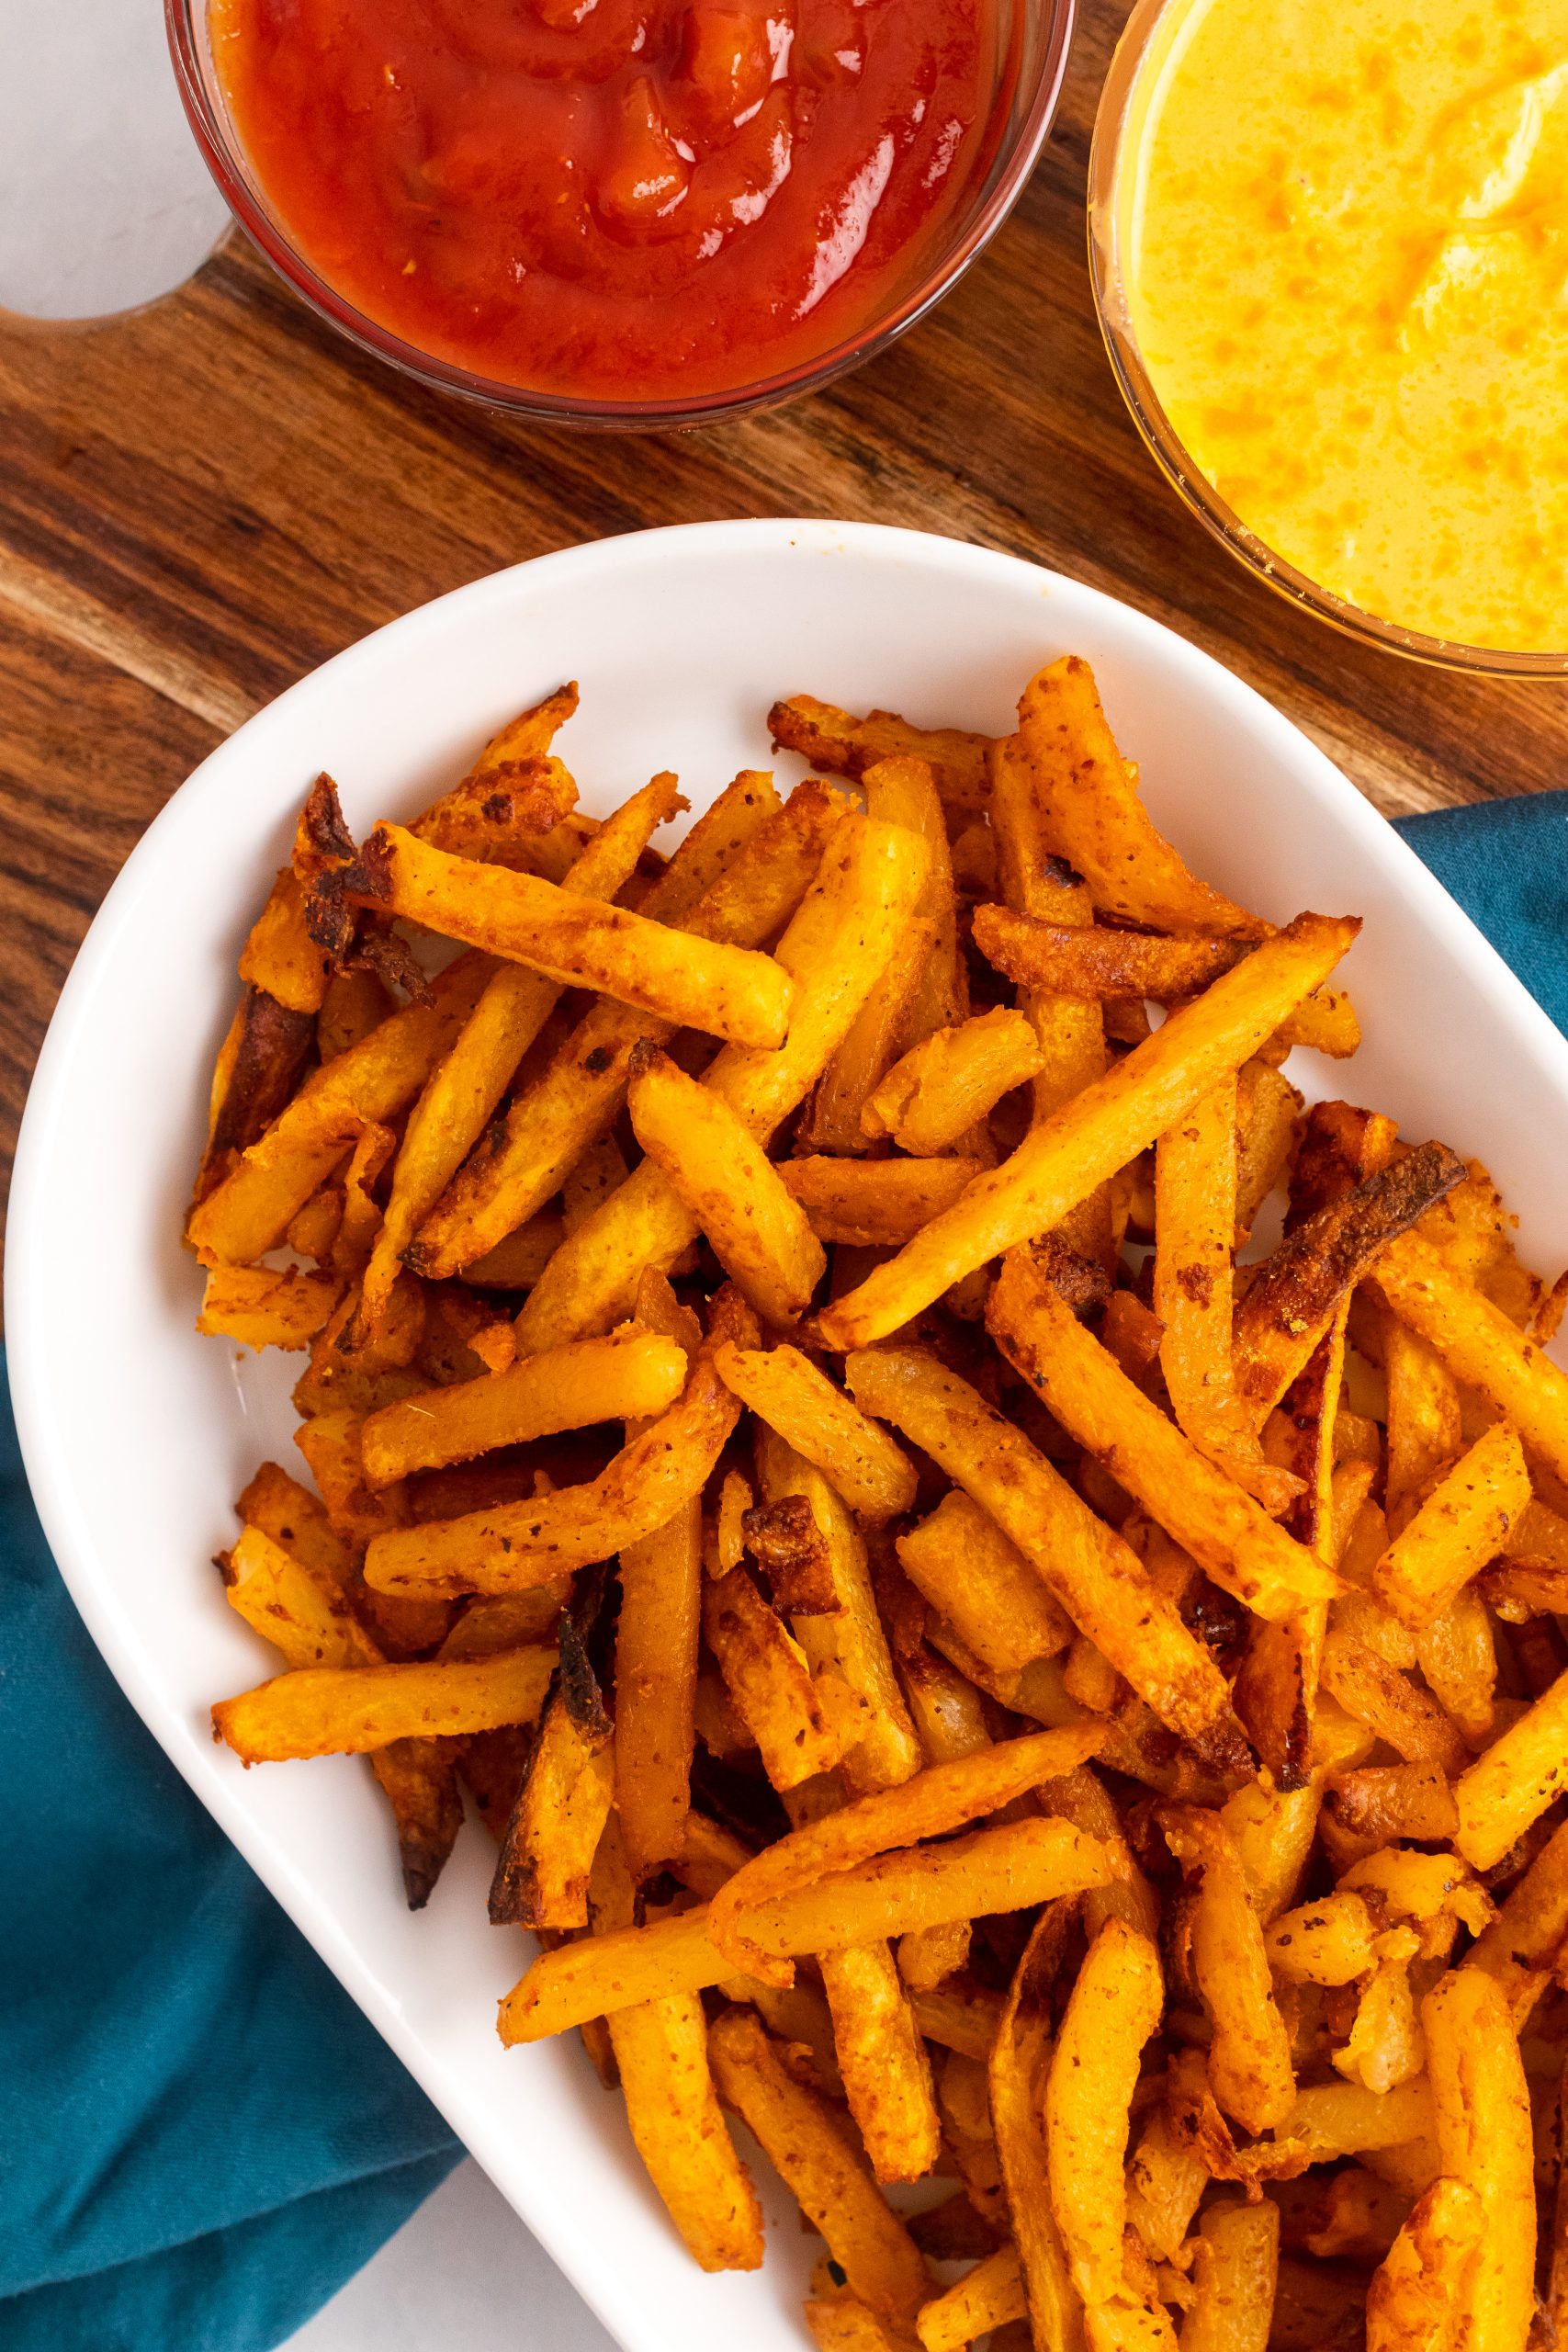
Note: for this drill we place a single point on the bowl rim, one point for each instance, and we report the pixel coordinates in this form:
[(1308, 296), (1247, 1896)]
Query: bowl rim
[(1111, 151), (183, 20), (31, 1269)]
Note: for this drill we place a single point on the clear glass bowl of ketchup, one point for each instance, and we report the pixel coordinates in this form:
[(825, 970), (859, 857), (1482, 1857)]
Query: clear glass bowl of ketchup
[(635, 213)]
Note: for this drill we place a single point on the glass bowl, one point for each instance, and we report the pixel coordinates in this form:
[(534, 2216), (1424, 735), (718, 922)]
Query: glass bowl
[(1112, 172), (1034, 37)]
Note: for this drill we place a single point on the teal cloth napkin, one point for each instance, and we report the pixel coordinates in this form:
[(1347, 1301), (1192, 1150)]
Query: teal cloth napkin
[(200, 2137)]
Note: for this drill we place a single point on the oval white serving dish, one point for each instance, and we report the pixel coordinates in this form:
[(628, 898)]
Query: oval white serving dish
[(138, 1434)]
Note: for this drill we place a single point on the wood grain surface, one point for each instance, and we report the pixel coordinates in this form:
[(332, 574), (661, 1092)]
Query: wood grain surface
[(200, 501)]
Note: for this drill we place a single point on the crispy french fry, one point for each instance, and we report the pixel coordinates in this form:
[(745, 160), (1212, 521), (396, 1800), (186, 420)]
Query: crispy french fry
[(1521, 1944), (461, 1094), (1018, 2070), (1097, 1132), (1250, 2058), (862, 1463), (727, 1185), (299, 1608), (880, 2261), (1114, 2007), (1325, 1943), (930, 1100), (1272, 1831), (875, 1202), (903, 792), (1463, 1523), (548, 1846), (1512, 1784), (1426, 1429), (731, 992), (1234, 2272), (834, 949), (1098, 1581), (769, 1683), (519, 1545), (842, 2324), (1482, 1348), (942, 1798), (831, 1121), (419, 1779), (1419, 2289), (280, 956), (987, 2298), (1484, 2139), (831, 740), (1382, 1804), (264, 1308), (368, 1084), (338, 1711), (977, 1579), (1207, 1513), (1081, 961), (1267, 1111), (1166, 2180), (881, 2061), (258, 1068), (280, 1506), (1408, 1717)]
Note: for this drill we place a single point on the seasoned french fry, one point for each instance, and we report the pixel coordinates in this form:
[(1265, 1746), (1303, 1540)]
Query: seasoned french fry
[(1512, 1783), (1250, 2058), (862, 1463), (845, 2324), (1235, 2271), (1481, 1345), (258, 1068), (831, 740), (727, 1185), (1207, 1513), (982, 1584), (876, 1202), (1485, 2140), (903, 792), (1166, 2180), (519, 1545), (1114, 2007), (989, 2296), (419, 1779), (1408, 1718), (1098, 1581), (831, 1121), (881, 2061), (1463, 1522), (344, 1710), (931, 1099), (1267, 1111), (299, 1608), (1095, 963), (1098, 1131), (1419, 2291), (548, 1846), (280, 956), (770, 1683), (280, 1506), (267, 1309), (1326, 1942), (834, 949), (1521, 1944), (880, 2261), (629, 1375)]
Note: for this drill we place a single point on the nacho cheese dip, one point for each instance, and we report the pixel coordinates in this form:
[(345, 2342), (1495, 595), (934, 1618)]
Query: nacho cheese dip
[(1346, 261)]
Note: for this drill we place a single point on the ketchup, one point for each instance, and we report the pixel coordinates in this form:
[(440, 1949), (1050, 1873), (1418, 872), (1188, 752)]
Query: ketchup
[(616, 199)]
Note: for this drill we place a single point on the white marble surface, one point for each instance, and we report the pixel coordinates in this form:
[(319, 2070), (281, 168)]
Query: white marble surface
[(104, 204)]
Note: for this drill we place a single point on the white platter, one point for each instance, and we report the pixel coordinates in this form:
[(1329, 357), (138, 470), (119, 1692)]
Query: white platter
[(138, 1434)]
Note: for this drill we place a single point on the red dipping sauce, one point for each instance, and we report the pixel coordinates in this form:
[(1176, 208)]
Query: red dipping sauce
[(616, 199)]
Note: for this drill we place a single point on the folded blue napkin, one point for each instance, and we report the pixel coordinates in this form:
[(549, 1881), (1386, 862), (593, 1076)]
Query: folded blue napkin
[(200, 2137)]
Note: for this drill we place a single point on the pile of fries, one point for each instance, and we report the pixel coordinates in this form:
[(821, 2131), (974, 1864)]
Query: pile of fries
[(978, 1667)]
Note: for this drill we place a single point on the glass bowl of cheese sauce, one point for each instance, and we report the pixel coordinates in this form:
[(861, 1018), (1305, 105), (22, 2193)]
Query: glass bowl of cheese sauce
[(639, 212), (1329, 243)]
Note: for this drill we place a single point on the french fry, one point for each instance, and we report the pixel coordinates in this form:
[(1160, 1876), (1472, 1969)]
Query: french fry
[(1408, 1717), (1166, 2180), (831, 1121), (831, 740), (267, 1309), (519, 1545), (1382, 1804), (982, 1584), (299, 1609), (1267, 1111), (1097, 1132), (419, 1779), (880, 2261), (655, 1680), (1098, 823), (280, 1506), (280, 956), (1234, 2274), (1080, 961), (1272, 1831), (1333, 2120), (1326, 1023), (874, 1203), (930, 1100), (1418, 2291), (517, 1262), (1114, 2007), (1098, 1581), (903, 792), (1207, 1513), (988, 2298), (368, 1084), (1326, 1942), (548, 1846), (770, 1683), (1463, 1523), (461, 1094), (345, 1711), (859, 1459), (1481, 1346), (1512, 1784), (1249, 2057), (731, 992), (928, 1956), (942, 1798), (1520, 1946), (844, 2324), (727, 1185), (1018, 2071), (1425, 1428), (834, 949), (881, 2061), (1484, 2138), (1079, 1796), (259, 1065)]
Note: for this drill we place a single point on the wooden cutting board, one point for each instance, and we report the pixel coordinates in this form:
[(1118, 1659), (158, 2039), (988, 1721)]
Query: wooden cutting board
[(200, 501)]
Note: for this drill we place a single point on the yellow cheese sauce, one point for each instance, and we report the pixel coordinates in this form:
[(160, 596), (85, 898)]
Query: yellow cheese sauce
[(1345, 254)]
